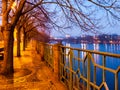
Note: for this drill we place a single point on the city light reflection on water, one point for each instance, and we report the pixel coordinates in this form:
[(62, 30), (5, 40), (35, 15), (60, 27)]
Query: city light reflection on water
[(112, 63)]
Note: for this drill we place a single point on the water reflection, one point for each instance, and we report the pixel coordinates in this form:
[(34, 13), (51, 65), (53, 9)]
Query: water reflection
[(96, 47), (67, 49), (96, 56), (84, 46), (112, 63), (67, 53)]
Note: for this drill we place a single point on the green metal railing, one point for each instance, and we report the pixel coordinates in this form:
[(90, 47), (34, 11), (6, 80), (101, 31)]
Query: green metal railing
[(79, 70), (80, 78), (48, 55)]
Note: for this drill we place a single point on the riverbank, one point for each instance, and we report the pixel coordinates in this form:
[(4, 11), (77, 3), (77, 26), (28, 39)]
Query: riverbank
[(31, 73)]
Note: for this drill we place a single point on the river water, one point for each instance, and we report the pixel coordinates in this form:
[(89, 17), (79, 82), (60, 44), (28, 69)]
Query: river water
[(112, 63)]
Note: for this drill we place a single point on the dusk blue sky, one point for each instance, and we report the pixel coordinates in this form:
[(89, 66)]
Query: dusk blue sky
[(76, 32), (112, 28), (109, 24)]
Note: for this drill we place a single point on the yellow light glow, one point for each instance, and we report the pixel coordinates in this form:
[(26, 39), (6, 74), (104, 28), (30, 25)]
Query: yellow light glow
[(15, 32), (13, 5)]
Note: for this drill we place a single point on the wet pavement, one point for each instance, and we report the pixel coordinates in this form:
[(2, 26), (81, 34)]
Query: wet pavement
[(31, 73)]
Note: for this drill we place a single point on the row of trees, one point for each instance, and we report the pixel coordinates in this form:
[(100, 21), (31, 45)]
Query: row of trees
[(23, 21), (36, 15)]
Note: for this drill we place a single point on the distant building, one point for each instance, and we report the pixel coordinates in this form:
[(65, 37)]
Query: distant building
[(67, 36)]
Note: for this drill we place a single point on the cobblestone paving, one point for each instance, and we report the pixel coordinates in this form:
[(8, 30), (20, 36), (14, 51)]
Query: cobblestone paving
[(31, 74)]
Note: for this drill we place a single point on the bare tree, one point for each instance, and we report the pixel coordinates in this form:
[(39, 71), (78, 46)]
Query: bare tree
[(23, 19), (9, 26), (9, 23), (79, 12)]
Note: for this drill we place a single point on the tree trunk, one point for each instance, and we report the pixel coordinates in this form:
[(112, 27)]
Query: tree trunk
[(24, 36), (7, 66), (18, 43), (26, 41)]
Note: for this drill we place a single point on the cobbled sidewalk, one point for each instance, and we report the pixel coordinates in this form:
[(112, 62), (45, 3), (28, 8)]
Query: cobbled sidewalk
[(31, 73)]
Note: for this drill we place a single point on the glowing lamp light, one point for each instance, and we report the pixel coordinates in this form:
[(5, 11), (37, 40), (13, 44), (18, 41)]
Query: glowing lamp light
[(13, 5)]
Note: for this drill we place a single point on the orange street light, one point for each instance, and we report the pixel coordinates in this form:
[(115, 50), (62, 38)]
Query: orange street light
[(13, 5)]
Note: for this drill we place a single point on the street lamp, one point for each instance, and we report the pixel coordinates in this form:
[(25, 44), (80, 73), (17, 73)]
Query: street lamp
[(13, 5)]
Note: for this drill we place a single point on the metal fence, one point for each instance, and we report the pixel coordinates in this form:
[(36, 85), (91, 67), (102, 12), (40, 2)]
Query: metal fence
[(80, 70), (48, 55)]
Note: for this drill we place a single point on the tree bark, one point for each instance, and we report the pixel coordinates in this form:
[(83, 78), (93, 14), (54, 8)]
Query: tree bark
[(9, 25), (24, 36), (7, 66), (18, 43)]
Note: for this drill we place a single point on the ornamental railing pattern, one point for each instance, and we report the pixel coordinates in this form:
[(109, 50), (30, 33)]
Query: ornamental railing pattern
[(79, 69)]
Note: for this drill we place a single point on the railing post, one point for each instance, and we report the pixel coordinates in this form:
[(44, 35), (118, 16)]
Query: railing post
[(34, 45), (88, 73), (41, 50), (56, 60), (62, 62), (104, 65), (71, 69), (116, 81)]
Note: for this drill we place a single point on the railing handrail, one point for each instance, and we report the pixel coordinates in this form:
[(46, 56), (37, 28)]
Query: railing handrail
[(71, 77), (93, 51)]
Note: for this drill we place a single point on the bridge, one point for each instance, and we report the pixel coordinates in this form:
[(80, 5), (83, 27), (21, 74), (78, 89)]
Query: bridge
[(56, 67)]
